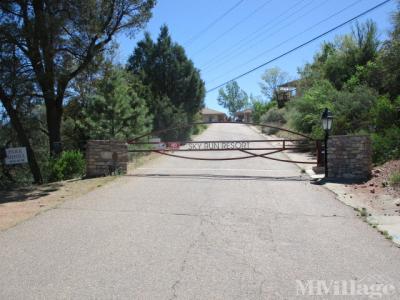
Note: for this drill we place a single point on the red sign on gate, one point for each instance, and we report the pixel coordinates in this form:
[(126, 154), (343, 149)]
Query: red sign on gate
[(174, 145)]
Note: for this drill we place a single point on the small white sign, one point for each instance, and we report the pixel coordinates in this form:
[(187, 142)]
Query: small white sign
[(157, 144), (155, 140), (16, 156), (161, 146)]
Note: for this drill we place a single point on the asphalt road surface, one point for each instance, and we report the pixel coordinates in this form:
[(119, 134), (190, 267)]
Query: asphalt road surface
[(183, 229)]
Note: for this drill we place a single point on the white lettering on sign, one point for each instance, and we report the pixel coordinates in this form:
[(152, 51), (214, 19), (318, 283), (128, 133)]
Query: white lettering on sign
[(16, 156), (219, 145)]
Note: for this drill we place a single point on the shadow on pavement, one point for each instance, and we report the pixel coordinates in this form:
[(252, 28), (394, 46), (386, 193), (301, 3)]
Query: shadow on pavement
[(27, 193), (221, 177)]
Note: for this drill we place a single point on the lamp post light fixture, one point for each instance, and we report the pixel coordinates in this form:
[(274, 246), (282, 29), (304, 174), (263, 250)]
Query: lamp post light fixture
[(327, 120)]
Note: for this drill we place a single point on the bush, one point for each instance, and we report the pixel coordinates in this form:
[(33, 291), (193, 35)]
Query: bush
[(69, 165), (199, 128), (261, 108), (305, 113), (274, 117), (386, 113), (395, 179), (353, 110), (386, 145)]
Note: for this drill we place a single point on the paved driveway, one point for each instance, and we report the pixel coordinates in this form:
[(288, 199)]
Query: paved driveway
[(247, 229)]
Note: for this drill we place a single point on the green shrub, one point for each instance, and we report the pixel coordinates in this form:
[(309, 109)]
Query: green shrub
[(353, 111), (69, 165), (385, 113), (386, 145), (304, 114), (395, 179), (274, 117), (199, 128), (261, 108)]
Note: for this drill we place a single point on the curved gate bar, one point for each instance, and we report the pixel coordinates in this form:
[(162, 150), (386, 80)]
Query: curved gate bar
[(221, 141), (252, 155), (277, 159), (201, 158), (132, 141), (262, 155), (215, 150)]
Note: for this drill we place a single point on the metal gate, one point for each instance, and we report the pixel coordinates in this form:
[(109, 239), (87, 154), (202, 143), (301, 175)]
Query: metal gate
[(150, 142)]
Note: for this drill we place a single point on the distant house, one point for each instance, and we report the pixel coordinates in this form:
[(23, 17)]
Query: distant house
[(244, 115), (211, 115), (287, 91)]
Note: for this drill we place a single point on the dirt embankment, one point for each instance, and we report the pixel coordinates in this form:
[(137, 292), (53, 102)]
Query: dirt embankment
[(378, 194), (19, 205)]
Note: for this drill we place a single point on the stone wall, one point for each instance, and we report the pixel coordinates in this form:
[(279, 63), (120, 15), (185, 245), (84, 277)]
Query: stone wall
[(349, 157), (104, 157)]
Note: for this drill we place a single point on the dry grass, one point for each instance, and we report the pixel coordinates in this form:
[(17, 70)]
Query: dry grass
[(394, 179)]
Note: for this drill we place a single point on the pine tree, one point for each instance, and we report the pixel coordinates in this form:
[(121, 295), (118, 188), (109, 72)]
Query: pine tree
[(177, 90), (116, 111)]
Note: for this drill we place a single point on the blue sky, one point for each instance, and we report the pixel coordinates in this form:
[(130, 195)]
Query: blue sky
[(253, 32)]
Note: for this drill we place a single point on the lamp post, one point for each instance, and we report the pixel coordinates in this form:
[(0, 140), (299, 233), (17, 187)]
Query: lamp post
[(326, 119)]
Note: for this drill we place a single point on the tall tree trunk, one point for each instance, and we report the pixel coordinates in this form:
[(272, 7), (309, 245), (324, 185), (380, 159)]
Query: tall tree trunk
[(23, 139), (54, 115)]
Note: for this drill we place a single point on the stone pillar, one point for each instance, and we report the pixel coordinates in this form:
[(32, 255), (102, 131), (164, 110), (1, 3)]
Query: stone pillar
[(104, 157), (349, 157)]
